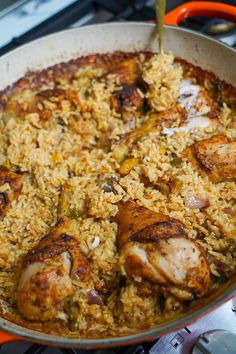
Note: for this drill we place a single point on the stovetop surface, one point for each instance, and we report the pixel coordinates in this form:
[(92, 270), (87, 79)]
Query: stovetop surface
[(36, 18)]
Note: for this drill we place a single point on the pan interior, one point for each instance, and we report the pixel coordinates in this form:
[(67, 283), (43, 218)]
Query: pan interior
[(66, 45)]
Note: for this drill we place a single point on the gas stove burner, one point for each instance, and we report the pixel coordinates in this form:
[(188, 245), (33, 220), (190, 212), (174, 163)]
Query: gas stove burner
[(220, 27), (222, 30), (217, 342)]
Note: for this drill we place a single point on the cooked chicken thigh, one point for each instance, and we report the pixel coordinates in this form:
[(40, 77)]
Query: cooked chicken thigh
[(200, 108), (155, 248), (48, 271), (215, 156), (154, 123), (12, 183)]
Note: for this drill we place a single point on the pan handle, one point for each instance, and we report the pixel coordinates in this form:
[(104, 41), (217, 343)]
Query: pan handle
[(7, 337), (200, 8)]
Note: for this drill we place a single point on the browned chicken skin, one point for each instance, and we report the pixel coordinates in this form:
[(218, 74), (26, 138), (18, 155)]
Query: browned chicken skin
[(14, 181), (215, 156), (128, 71), (155, 248), (129, 76), (126, 98), (48, 271), (37, 103)]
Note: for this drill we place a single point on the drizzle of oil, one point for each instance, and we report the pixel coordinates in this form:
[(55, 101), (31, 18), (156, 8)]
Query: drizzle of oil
[(160, 11)]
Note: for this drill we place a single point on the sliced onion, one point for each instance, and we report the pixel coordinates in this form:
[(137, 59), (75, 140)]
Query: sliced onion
[(196, 202), (62, 316), (94, 298), (228, 211), (96, 242), (107, 188)]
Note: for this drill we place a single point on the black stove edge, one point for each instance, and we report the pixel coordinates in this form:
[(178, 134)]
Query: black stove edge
[(57, 22)]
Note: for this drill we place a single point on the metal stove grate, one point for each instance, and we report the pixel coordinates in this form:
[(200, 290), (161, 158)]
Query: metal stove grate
[(26, 348)]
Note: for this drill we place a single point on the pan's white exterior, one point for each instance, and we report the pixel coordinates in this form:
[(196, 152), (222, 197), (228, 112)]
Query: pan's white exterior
[(105, 38), (62, 46)]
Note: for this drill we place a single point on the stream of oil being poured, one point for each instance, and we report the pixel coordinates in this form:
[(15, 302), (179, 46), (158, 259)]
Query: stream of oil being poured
[(160, 11)]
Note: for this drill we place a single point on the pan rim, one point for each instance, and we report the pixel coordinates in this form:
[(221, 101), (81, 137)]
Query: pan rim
[(24, 333), (113, 24)]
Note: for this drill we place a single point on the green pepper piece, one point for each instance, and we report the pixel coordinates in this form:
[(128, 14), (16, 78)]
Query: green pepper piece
[(176, 161), (76, 213), (220, 279)]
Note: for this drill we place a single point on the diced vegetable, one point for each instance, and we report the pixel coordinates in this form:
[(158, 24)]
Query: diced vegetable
[(196, 202), (94, 298), (127, 165), (220, 279), (143, 108), (12, 167), (96, 242), (73, 325), (161, 301), (176, 161), (105, 186), (228, 211), (120, 153), (87, 92), (140, 138), (76, 213)]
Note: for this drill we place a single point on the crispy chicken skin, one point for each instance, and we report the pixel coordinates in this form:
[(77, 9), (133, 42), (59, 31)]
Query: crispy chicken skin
[(155, 248), (128, 71), (215, 156), (129, 76), (14, 181), (126, 98), (37, 103), (47, 273)]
